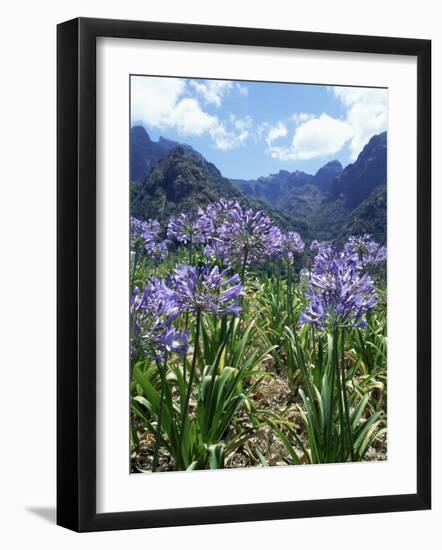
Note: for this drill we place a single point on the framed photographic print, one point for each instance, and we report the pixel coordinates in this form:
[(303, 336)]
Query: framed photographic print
[(243, 274)]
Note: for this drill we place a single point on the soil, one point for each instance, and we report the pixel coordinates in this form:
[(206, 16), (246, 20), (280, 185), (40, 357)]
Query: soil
[(272, 394)]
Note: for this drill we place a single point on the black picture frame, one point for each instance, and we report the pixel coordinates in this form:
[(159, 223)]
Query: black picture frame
[(76, 273)]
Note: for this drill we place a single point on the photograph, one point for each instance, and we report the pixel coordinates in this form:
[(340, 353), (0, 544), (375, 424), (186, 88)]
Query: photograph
[(258, 274), (227, 230)]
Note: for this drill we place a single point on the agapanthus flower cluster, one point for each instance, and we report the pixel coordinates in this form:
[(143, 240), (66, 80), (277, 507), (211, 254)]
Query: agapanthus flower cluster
[(209, 221), (213, 216), (368, 250), (326, 255), (147, 230), (146, 237), (184, 228), (325, 252), (208, 290), (153, 310), (317, 245), (157, 250), (339, 293), (241, 235), (288, 245)]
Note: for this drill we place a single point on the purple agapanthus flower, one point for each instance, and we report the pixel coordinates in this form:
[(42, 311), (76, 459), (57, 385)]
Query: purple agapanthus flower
[(321, 246), (146, 238), (339, 293), (316, 245), (184, 228), (304, 278), (173, 341), (243, 237), (146, 229), (213, 216), (289, 244), (209, 223), (157, 250), (368, 250), (216, 250), (153, 311), (206, 289)]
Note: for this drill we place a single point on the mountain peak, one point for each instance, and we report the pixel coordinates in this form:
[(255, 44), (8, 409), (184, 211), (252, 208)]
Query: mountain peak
[(359, 179), (184, 180), (375, 145), (325, 175), (332, 165), (145, 153), (140, 132), (166, 142), (168, 176), (380, 138)]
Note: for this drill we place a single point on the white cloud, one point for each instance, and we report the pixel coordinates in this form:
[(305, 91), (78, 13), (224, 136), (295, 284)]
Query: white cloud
[(240, 131), (152, 99), (281, 152), (224, 139), (212, 91), (316, 137), (276, 132), (243, 90), (320, 136), (301, 117), (366, 113), (157, 103), (241, 123), (261, 130), (165, 103), (189, 119)]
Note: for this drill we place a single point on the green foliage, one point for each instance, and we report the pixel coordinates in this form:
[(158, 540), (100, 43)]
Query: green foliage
[(334, 203), (203, 409), (207, 407), (369, 217), (196, 431), (168, 177), (183, 180), (340, 417)]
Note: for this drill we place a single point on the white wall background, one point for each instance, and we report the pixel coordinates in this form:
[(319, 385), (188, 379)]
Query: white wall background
[(27, 273)]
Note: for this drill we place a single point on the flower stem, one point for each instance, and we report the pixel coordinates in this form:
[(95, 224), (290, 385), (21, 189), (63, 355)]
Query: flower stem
[(190, 259), (191, 375), (244, 263), (289, 296), (344, 394), (134, 268), (336, 369), (330, 420), (190, 249), (160, 414), (186, 326)]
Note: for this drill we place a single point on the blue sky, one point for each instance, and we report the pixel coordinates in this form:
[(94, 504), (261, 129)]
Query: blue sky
[(252, 129)]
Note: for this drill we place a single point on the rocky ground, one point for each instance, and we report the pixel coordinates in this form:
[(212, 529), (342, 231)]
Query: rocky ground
[(273, 394)]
